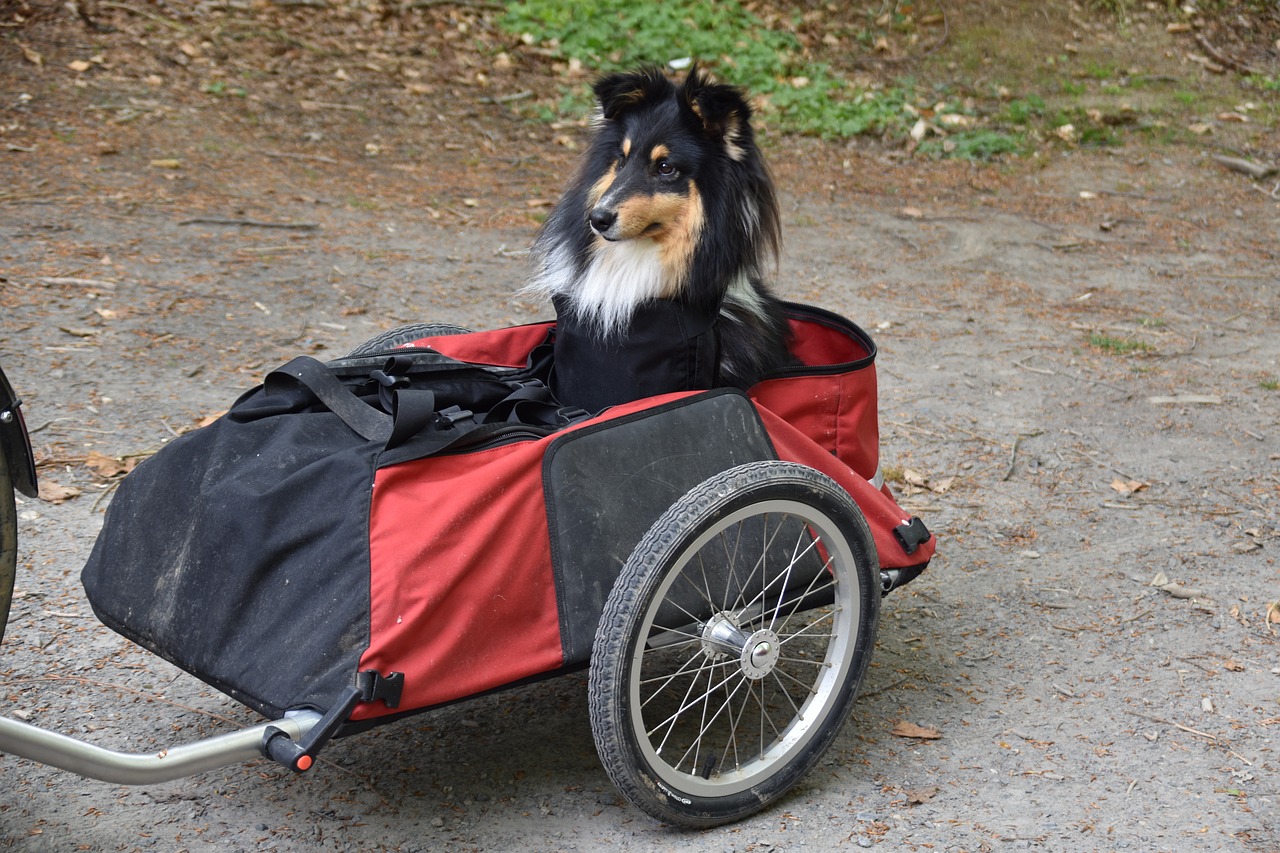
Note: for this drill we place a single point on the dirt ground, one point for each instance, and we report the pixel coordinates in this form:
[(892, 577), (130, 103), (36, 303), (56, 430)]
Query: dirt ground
[(1079, 358)]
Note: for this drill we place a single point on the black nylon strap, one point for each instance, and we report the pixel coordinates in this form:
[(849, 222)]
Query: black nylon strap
[(414, 410), (363, 419)]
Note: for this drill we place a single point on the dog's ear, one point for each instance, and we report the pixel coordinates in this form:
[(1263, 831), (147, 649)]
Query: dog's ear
[(619, 93), (722, 110)]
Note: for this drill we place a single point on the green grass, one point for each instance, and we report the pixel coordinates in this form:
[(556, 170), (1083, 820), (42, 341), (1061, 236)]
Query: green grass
[(1269, 384), (1023, 111), (1264, 83), (798, 96), (1119, 346)]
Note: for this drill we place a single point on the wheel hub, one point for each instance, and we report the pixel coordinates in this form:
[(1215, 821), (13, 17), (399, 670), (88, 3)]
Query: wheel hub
[(757, 653), (760, 654)]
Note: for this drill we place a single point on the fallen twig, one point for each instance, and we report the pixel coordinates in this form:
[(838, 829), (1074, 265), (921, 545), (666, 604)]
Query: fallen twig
[(1275, 191), (1164, 722), (253, 223), (160, 19), (78, 282), (319, 158), (1222, 59), (1013, 458), (1256, 171), (506, 99)]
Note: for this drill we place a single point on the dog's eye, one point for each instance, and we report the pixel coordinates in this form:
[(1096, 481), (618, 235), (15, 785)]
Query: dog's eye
[(665, 168)]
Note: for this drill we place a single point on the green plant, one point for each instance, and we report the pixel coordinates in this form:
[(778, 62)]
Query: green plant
[(974, 145), (1264, 83), (1100, 136), (218, 87), (1023, 110), (1269, 384), (1099, 71), (1119, 346)]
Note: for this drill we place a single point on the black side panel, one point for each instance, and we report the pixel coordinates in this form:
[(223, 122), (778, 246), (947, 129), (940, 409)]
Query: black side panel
[(240, 553), (606, 485)]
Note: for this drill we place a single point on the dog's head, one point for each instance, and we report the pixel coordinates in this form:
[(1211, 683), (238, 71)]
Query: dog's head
[(655, 142)]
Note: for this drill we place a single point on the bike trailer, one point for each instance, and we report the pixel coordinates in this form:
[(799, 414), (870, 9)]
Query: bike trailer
[(422, 522)]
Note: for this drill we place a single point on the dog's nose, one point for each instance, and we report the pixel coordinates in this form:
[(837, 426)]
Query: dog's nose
[(602, 220)]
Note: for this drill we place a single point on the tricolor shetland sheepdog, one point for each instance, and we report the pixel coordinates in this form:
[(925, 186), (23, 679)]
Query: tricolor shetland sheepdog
[(673, 203)]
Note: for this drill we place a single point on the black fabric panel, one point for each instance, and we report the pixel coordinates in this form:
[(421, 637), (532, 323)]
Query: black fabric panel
[(606, 485), (668, 346), (240, 553)]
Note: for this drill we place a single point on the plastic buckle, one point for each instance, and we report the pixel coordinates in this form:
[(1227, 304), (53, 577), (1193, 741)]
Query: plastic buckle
[(446, 418), (374, 687), (911, 535)]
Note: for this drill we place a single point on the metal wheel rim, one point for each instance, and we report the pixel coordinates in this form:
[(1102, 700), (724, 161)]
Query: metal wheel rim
[(735, 768)]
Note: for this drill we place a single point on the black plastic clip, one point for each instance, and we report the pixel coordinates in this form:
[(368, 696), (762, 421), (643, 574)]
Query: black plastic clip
[(446, 418), (911, 535), (374, 687)]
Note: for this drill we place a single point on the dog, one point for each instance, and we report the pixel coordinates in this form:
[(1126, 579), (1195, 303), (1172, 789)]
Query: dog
[(672, 207)]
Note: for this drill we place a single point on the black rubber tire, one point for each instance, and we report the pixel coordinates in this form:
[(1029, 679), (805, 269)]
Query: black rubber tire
[(8, 542), (666, 629), (392, 338)]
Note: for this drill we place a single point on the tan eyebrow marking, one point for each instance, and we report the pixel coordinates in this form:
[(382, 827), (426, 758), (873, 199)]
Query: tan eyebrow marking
[(626, 147), (659, 152)]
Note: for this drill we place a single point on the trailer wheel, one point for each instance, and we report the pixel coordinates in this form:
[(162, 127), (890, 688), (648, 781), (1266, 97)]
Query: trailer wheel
[(392, 338), (731, 647), (8, 542)]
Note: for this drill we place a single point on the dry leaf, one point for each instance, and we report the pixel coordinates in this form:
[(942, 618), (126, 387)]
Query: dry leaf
[(56, 494), (30, 55), (1128, 487), (168, 163), (905, 729), (80, 66), (1232, 666), (208, 419), (914, 478), (107, 466), (942, 486), (921, 796)]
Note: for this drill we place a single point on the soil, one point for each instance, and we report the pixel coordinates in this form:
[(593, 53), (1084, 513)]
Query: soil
[(1079, 356)]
